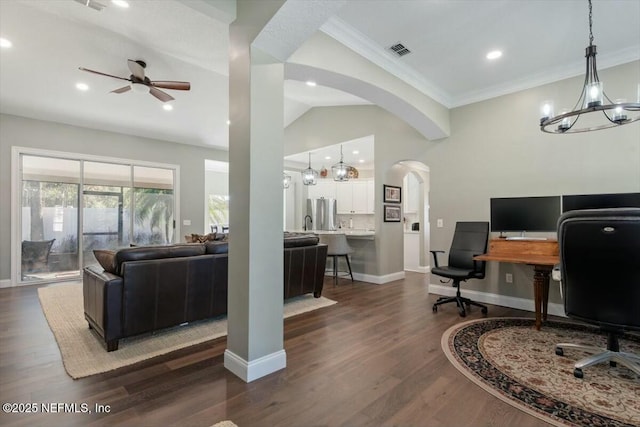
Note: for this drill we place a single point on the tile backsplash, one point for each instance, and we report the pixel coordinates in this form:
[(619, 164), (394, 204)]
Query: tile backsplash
[(362, 222)]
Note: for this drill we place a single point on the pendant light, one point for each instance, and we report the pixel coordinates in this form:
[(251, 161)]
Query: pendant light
[(309, 176), (591, 101), (286, 180), (340, 170)]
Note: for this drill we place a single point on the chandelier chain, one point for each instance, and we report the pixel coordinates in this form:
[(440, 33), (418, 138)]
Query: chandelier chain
[(590, 25)]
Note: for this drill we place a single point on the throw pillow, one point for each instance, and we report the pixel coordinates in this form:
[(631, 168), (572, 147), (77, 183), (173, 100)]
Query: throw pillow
[(202, 238), (107, 259)]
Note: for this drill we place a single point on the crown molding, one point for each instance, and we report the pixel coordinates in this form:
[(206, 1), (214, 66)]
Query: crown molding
[(605, 61)]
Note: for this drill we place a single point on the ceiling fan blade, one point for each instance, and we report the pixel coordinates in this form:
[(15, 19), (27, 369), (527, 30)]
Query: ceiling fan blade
[(102, 74), (136, 69), (171, 85), (122, 89), (162, 96)]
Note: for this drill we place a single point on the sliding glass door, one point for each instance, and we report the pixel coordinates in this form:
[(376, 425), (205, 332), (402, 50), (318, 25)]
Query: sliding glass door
[(71, 207), (106, 187), (49, 218)]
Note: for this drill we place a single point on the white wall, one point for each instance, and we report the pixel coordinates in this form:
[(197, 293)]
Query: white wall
[(24, 132)]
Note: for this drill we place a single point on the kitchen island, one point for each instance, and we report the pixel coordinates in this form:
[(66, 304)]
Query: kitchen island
[(363, 257), (351, 233)]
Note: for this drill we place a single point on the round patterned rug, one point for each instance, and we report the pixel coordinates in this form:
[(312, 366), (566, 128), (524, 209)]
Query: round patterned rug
[(510, 359)]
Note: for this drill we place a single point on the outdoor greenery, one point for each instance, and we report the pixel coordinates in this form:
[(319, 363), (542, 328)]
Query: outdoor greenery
[(218, 209)]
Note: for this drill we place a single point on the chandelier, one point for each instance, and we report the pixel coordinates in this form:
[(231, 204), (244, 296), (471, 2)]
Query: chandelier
[(340, 170), (309, 176), (591, 101), (286, 180)]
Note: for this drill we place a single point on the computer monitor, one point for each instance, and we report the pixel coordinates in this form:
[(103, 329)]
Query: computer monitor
[(525, 213), (600, 201)]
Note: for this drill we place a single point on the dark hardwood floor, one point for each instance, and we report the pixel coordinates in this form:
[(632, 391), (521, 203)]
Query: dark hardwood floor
[(373, 359)]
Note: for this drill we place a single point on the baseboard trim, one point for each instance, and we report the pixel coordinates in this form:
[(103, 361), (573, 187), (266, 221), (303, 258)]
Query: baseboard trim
[(258, 368), (419, 269), (495, 299), (378, 280), (6, 283)]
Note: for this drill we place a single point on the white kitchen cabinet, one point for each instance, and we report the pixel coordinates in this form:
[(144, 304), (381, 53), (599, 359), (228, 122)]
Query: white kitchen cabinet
[(371, 196), (411, 194), (353, 197), (324, 188)]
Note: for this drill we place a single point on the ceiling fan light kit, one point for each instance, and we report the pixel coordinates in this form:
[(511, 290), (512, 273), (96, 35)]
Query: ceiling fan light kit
[(141, 83), (591, 101)]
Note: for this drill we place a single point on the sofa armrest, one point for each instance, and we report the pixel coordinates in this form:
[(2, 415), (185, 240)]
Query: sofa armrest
[(102, 293), (304, 270)]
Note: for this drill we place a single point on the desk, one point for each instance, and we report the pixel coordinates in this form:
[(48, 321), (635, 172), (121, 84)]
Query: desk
[(541, 254)]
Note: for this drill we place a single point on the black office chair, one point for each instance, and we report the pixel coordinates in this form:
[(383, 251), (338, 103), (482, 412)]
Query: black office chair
[(470, 239), (600, 275)]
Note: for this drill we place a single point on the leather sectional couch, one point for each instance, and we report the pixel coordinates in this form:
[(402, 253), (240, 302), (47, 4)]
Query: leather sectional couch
[(144, 289)]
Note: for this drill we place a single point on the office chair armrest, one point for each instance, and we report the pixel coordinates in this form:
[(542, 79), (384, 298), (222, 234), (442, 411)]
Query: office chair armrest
[(435, 256)]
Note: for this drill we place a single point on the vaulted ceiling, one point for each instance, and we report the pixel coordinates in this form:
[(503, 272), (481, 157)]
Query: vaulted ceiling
[(541, 41)]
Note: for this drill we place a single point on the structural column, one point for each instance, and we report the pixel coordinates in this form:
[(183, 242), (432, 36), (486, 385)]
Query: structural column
[(256, 134)]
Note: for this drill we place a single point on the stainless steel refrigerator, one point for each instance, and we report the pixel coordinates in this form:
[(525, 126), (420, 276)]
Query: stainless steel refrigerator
[(323, 214)]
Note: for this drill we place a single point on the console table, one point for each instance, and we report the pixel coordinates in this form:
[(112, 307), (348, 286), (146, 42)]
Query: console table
[(541, 254)]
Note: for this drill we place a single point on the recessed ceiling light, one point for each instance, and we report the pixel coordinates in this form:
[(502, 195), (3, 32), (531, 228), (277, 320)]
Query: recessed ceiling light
[(327, 157), (356, 152), (228, 122), (310, 83), (361, 161), (494, 54), (120, 3), (167, 107), (5, 42), (82, 86)]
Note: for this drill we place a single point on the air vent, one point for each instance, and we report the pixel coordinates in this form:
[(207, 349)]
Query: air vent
[(92, 4), (399, 49)]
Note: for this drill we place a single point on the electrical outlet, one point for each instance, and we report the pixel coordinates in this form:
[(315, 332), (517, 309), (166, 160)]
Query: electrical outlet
[(186, 222), (439, 223), (509, 278)]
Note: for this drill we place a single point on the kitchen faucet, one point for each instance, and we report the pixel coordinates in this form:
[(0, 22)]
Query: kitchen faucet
[(305, 221)]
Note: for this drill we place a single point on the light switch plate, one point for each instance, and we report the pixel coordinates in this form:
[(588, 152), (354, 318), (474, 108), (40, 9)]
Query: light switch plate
[(439, 223), (186, 222)]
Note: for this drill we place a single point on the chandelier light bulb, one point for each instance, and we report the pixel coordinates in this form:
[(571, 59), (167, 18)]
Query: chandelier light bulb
[(619, 114), (546, 110), (594, 94)]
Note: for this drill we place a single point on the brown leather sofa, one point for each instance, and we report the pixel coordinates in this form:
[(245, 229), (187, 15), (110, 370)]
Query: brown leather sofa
[(144, 289)]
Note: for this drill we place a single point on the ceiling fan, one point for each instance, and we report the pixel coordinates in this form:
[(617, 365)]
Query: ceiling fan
[(141, 82)]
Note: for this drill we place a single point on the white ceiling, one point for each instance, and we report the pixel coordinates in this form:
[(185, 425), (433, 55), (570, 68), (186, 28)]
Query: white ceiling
[(187, 40)]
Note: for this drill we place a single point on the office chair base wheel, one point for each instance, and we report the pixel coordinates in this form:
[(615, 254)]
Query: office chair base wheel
[(462, 313), (559, 351), (577, 372), (484, 310), (435, 308)]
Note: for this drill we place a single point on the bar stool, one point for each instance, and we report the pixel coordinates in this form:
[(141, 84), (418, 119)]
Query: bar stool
[(337, 247)]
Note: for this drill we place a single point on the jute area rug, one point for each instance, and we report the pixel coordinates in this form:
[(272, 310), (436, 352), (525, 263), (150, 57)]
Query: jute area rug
[(83, 355), (511, 360)]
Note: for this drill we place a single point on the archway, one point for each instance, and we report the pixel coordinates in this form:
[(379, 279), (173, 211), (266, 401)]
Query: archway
[(417, 230)]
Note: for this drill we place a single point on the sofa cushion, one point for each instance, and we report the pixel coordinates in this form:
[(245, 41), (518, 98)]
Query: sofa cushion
[(217, 247), (140, 253), (106, 259), (296, 240)]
